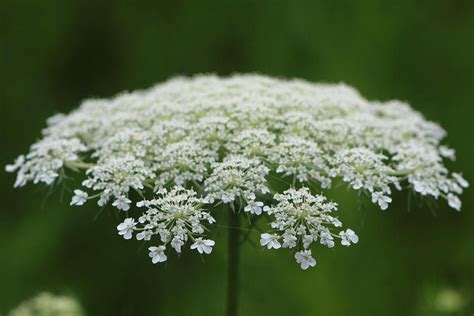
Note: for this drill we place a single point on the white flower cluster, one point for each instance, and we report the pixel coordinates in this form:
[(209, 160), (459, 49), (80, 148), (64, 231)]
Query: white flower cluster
[(236, 177), (173, 216), (301, 219), (45, 160), (302, 159), (240, 141), (115, 175), (364, 169)]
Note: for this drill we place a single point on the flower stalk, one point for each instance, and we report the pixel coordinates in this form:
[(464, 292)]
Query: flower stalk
[(233, 257)]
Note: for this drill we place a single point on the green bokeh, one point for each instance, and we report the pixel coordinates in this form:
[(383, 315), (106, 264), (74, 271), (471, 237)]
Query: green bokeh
[(53, 54)]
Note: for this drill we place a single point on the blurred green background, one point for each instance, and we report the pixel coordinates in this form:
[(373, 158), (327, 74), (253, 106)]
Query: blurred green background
[(53, 54)]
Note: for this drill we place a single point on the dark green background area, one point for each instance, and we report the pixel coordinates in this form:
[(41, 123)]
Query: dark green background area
[(53, 54)]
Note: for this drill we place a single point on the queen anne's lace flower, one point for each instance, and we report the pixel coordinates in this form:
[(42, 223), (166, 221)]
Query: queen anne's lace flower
[(250, 143)]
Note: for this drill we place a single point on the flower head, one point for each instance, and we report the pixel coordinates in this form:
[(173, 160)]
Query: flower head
[(171, 155)]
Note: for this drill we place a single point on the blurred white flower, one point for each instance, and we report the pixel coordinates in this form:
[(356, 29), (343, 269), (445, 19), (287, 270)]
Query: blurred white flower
[(454, 202), (47, 304), (17, 164), (460, 180)]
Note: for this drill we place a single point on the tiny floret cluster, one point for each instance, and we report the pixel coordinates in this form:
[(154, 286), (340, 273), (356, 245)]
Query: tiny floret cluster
[(301, 219), (170, 159), (175, 217)]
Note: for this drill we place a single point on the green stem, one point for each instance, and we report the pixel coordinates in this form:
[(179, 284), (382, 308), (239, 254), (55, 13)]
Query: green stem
[(78, 165), (233, 265), (401, 172)]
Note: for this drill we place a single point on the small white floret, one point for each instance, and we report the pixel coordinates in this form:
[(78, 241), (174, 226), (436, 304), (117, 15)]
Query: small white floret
[(254, 207), (381, 199), (305, 259), (460, 180), (79, 198), (157, 254), (122, 203), (203, 245), (126, 228), (348, 237), (270, 241)]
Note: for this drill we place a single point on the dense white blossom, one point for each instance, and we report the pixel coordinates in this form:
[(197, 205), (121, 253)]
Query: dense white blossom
[(302, 159), (249, 143), (236, 177)]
